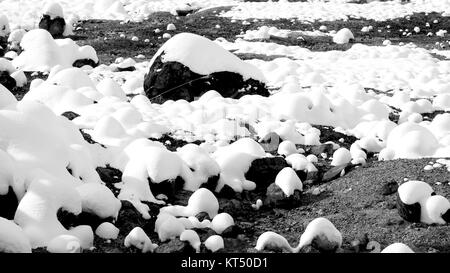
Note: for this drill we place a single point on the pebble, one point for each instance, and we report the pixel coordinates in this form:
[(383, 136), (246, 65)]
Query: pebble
[(316, 191), (428, 168)]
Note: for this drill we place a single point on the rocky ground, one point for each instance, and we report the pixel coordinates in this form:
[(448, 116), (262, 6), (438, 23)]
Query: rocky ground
[(361, 203)]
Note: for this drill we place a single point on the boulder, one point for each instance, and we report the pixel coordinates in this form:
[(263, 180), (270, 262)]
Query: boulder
[(6, 80), (8, 204), (175, 246), (55, 26), (410, 213), (275, 197), (263, 171), (82, 62), (270, 142), (189, 65), (389, 188)]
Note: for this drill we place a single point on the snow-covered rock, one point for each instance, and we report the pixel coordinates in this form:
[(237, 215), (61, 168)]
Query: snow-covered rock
[(140, 240), (214, 243), (12, 238), (107, 231)]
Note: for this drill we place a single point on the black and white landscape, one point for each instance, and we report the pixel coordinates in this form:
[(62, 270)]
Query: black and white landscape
[(234, 126)]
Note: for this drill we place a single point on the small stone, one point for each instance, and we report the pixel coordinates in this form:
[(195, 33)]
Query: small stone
[(389, 188), (316, 191)]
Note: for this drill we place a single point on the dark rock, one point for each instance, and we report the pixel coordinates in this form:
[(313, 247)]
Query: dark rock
[(109, 174), (122, 69), (185, 12), (69, 220), (275, 197), (8, 204), (232, 232), (130, 218), (231, 206), (82, 62), (168, 187), (446, 216), (7, 81), (55, 26), (87, 137), (312, 176), (319, 149), (70, 115), (302, 175), (323, 245), (263, 171), (333, 173), (211, 184), (202, 216), (270, 142), (173, 81), (389, 188), (227, 192), (175, 246), (204, 233), (410, 213)]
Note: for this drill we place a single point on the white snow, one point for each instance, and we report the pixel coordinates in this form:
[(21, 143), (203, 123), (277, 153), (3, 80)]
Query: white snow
[(97, 199), (193, 239), (64, 244), (204, 57), (107, 231), (288, 181), (273, 241), (140, 240), (4, 26), (397, 248), (202, 200), (214, 243), (42, 52), (170, 228), (341, 156), (222, 221), (320, 229), (12, 238), (54, 10), (343, 36)]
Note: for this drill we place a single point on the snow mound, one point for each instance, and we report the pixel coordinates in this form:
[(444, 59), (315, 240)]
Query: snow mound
[(12, 238), (4, 26), (343, 36), (214, 243), (397, 248), (53, 10), (107, 231), (273, 241), (97, 199), (323, 230), (204, 57), (221, 222), (191, 237), (37, 210), (42, 52), (64, 244), (140, 240), (202, 200)]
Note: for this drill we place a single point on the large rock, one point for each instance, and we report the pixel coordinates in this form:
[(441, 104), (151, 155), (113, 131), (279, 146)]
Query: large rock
[(275, 197), (6, 80), (263, 171), (55, 26), (189, 65), (175, 246), (8, 204)]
